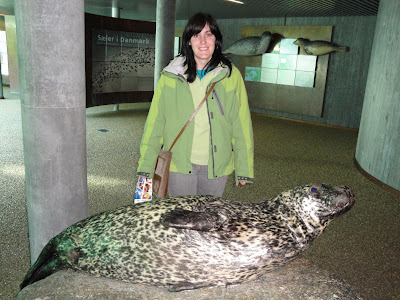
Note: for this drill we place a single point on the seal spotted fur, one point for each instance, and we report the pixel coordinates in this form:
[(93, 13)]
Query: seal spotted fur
[(193, 242)]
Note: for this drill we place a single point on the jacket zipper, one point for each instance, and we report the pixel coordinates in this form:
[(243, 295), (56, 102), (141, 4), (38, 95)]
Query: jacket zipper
[(211, 140), (209, 122)]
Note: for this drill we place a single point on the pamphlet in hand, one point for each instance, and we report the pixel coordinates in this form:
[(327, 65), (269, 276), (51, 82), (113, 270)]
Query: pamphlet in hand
[(143, 191)]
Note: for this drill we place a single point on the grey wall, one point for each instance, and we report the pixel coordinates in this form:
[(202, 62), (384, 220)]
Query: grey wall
[(347, 72), (378, 146)]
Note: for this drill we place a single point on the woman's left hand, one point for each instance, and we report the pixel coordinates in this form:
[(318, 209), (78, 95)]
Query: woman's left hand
[(241, 182)]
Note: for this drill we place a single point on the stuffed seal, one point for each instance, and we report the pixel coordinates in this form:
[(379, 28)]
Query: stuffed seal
[(195, 241), (250, 46)]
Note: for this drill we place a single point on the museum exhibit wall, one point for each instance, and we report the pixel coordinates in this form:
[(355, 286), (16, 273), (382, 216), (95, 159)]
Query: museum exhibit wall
[(120, 55), (347, 72)]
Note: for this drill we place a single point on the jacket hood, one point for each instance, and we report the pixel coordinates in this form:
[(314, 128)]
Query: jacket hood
[(176, 67)]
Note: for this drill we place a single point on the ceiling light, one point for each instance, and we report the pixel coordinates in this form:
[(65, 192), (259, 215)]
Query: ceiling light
[(235, 1)]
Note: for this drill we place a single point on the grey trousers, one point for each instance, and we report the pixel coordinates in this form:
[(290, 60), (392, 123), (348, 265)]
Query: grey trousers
[(196, 183)]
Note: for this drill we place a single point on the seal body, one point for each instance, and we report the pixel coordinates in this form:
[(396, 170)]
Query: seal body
[(319, 47), (193, 242), (249, 46)]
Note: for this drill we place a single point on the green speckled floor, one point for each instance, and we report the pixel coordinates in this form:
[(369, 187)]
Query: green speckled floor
[(362, 247)]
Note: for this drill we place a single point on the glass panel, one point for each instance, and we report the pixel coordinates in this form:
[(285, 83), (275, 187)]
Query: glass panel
[(253, 74)]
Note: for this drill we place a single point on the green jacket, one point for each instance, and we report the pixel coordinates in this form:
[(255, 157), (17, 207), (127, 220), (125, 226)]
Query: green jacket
[(231, 133)]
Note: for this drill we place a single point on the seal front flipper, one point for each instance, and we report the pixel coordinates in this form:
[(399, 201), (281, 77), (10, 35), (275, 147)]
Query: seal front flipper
[(183, 286), (186, 219)]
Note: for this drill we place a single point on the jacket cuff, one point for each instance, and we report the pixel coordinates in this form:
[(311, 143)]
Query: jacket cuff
[(144, 174), (244, 178)]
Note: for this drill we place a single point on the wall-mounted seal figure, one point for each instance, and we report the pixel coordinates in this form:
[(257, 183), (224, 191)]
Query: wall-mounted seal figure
[(249, 46), (192, 242), (319, 47)]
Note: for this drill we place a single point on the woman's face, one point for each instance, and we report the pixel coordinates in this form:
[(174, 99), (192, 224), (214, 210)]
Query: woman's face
[(203, 45)]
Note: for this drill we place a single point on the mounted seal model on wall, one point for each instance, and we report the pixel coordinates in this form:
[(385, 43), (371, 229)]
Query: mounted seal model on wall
[(319, 47), (193, 242), (249, 46)]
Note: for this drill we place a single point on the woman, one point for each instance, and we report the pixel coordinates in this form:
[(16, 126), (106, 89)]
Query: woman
[(220, 139)]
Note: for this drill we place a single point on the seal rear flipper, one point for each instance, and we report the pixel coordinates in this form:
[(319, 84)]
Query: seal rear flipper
[(46, 264), (40, 273), (186, 219)]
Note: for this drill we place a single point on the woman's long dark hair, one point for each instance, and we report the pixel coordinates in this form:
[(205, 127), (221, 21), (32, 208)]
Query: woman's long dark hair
[(194, 26)]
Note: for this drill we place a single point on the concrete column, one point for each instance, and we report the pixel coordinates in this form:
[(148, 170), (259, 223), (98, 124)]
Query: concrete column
[(115, 9), (378, 145), (1, 84), (51, 53), (115, 13), (165, 35)]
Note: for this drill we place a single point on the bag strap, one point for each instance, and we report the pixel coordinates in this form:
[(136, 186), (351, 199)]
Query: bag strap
[(192, 116)]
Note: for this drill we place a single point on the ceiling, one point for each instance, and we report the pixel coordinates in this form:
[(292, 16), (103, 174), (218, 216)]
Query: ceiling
[(145, 10)]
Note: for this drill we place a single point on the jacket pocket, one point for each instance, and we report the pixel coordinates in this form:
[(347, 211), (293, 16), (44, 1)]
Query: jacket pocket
[(218, 102)]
